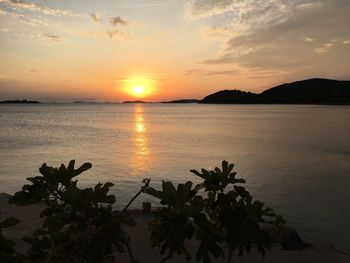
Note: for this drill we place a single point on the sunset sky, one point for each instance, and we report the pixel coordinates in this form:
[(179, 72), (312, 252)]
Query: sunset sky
[(114, 50)]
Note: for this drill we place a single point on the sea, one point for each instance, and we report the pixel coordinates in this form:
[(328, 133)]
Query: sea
[(295, 158)]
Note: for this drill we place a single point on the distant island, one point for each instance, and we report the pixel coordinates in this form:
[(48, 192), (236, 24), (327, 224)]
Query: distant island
[(311, 91), (84, 102), (135, 101), (20, 101), (182, 101)]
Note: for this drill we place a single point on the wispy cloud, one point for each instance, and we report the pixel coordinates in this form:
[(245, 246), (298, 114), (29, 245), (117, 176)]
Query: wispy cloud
[(325, 48), (33, 70), (309, 39), (117, 20), (130, 79), (118, 34), (33, 22), (276, 34), (21, 4), (215, 32), (199, 72), (52, 37), (95, 17), (196, 9), (250, 15)]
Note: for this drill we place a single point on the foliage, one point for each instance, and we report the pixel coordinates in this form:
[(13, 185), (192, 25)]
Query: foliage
[(219, 213), (80, 224), (7, 247)]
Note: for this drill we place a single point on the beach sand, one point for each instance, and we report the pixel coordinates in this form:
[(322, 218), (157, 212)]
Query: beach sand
[(141, 245)]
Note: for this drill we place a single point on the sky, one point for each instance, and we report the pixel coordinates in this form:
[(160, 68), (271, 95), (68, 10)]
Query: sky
[(115, 50)]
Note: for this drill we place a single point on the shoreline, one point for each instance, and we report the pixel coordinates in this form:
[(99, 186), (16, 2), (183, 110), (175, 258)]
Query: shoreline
[(140, 240)]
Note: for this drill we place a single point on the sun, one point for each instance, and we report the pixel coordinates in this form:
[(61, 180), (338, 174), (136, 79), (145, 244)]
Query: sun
[(138, 90), (138, 87)]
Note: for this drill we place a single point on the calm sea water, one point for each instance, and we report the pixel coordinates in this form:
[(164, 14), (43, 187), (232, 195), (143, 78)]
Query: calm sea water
[(295, 158)]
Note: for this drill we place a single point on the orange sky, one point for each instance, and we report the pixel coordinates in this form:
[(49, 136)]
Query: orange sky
[(100, 50)]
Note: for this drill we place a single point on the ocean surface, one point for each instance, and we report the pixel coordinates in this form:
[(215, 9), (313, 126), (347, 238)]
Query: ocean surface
[(295, 158)]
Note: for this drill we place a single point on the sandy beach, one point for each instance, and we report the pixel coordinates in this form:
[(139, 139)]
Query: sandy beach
[(141, 245)]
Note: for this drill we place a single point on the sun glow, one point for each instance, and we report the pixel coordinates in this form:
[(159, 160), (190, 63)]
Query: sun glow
[(138, 87), (138, 90)]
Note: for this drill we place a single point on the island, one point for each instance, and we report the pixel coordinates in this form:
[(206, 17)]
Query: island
[(135, 101), (310, 91), (20, 101)]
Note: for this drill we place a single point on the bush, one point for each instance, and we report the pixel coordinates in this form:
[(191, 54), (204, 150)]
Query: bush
[(7, 247), (219, 213), (80, 224)]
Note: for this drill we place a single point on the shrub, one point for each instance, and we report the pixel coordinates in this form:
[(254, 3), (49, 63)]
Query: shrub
[(80, 224), (7, 247), (219, 213)]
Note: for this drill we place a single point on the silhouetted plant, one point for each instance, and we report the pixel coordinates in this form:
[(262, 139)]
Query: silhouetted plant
[(80, 224), (7, 247), (219, 213)]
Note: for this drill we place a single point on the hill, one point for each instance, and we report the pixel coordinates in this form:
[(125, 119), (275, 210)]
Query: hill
[(231, 97), (311, 91)]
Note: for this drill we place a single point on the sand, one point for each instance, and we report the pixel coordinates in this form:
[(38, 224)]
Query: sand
[(140, 241)]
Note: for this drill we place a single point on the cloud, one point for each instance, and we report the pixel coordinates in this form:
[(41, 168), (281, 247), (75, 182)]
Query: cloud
[(33, 70), (196, 9), (95, 17), (127, 79), (118, 34), (54, 38), (325, 48), (309, 39), (33, 22), (21, 4), (198, 72), (214, 32), (267, 35), (117, 20)]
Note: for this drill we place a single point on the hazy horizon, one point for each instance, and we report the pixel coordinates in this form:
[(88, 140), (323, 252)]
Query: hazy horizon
[(66, 50)]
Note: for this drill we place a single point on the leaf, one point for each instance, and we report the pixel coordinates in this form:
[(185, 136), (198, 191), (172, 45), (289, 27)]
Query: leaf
[(83, 168), (9, 222), (70, 168), (40, 232), (21, 198), (46, 212)]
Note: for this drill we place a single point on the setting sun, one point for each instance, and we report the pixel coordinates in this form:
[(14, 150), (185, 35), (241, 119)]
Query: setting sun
[(138, 90), (139, 87)]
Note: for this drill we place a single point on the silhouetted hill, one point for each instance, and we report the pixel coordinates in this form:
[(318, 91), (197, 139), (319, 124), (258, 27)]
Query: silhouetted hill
[(20, 101), (311, 91), (182, 101), (230, 97)]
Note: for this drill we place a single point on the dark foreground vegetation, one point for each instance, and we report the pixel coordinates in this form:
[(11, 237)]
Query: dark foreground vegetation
[(81, 225)]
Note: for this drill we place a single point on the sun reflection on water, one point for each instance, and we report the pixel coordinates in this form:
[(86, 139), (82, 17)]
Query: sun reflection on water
[(141, 158)]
